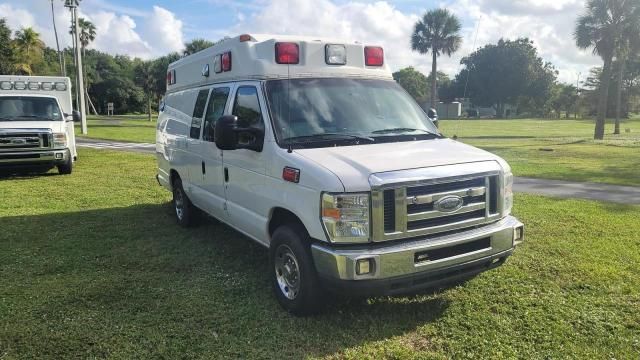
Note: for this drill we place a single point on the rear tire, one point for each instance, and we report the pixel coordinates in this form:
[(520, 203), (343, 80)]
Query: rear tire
[(293, 273), (183, 208), (67, 167)]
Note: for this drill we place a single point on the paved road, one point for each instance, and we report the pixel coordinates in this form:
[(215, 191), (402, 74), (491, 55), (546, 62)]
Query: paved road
[(114, 145), (555, 188), (577, 190)]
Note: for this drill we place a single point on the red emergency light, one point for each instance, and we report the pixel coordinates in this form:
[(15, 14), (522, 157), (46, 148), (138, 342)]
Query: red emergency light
[(373, 56), (171, 77), (287, 53), (226, 61)]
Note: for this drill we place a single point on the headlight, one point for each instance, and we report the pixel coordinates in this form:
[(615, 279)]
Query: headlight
[(508, 194), (59, 140), (346, 217)]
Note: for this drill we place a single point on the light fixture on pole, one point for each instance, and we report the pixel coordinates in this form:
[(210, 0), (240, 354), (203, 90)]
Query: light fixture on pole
[(73, 7)]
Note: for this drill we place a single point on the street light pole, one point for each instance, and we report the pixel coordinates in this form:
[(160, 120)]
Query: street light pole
[(73, 7)]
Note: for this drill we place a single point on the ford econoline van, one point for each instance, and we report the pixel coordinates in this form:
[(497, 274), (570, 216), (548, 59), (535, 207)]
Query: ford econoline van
[(309, 147)]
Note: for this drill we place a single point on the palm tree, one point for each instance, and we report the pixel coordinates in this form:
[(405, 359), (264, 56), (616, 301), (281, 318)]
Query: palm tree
[(28, 42), (438, 32), (602, 28), (87, 33), (628, 46), (144, 77), (55, 32), (196, 45)]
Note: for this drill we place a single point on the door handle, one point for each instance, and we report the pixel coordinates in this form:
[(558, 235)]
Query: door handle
[(226, 175), (204, 171)]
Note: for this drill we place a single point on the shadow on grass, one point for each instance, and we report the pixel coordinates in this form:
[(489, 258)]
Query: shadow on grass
[(25, 173), (128, 282)]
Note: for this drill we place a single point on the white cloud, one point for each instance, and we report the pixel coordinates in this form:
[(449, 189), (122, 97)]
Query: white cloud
[(376, 23), (117, 34), (119, 30), (16, 17), (151, 32), (549, 23), (165, 29)]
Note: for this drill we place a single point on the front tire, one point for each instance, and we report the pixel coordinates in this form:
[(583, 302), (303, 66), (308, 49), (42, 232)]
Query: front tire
[(184, 209), (66, 168), (293, 274)]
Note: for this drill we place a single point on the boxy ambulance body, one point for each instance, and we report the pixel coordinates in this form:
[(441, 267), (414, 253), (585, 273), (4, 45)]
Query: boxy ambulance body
[(309, 147), (36, 123)]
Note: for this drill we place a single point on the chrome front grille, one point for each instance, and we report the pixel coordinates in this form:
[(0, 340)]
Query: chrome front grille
[(25, 140), (432, 206)]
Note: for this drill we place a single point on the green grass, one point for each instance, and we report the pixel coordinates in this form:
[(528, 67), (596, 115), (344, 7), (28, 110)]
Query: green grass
[(93, 265), (133, 128), (552, 149), (557, 149)]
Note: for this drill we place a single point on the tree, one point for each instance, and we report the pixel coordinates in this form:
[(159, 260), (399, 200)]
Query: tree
[(144, 79), (602, 28), (7, 56), (55, 32), (413, 81), (628, 46), (510, 72), (562, 98), (196, 45), (87, 33), (437, 32), (30, 47), (87, 36)]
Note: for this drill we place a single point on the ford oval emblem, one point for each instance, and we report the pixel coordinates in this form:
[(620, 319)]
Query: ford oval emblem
[(449, 204)]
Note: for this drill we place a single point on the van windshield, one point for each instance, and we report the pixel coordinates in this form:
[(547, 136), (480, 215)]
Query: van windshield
[(25, 108), (307, 111)]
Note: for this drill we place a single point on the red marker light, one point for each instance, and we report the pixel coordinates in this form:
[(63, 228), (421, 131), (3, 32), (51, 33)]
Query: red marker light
[(291, 174), (287, 53), (226, 61), (373, 56)]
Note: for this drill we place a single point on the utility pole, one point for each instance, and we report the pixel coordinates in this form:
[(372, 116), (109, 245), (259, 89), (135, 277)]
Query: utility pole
[(73, 7)]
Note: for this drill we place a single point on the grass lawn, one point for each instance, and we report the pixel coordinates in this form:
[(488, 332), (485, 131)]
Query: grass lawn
[(92, 265), (552, 149), (557, 149), (133, 128)]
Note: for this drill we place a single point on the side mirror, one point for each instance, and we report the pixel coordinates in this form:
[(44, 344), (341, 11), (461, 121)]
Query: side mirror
[(76, 116), (225, 134), (229, 136)]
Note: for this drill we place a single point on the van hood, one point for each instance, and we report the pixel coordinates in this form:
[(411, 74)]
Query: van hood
[(354, 164), (55, 126)]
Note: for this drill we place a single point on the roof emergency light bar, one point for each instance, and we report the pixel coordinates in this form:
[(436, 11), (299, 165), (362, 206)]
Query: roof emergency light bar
[(32, 85)]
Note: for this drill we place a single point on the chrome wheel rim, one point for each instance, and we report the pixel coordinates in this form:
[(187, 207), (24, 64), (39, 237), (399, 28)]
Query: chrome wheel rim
[(287, 272), (178, 200)]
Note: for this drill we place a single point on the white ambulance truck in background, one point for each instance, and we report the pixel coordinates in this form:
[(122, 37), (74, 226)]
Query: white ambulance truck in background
[(309, 147), (36, 123)]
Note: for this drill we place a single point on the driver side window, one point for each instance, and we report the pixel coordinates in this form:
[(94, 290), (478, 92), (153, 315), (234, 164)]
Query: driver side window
[(215, 109), (247, 107)]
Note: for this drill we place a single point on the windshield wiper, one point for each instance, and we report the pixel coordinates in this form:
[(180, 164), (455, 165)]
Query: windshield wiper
[(402, 130), (34, 117), (328, 137)]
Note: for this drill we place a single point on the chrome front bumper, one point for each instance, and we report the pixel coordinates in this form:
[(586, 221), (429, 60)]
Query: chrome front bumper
[(420, 257), (25, 158)]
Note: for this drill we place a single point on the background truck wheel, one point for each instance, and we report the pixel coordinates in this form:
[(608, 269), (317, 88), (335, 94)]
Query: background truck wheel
[(293, 274), (67, 167), (184, 209)]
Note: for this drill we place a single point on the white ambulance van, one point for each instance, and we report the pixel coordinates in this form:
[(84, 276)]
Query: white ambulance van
[(309, 147), (36, 123)]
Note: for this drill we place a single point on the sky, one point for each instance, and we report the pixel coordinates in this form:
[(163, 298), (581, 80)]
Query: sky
[(150, 28)]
